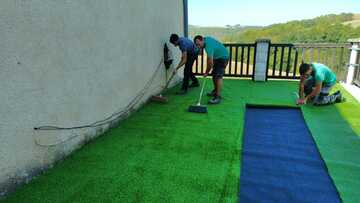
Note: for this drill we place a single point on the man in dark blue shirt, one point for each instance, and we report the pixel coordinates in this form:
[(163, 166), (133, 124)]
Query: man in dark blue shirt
[(189, 53)]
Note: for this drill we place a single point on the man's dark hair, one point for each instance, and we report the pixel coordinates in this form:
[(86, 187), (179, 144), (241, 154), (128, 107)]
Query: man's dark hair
[(174, 38), (304, 67), (199, 37)]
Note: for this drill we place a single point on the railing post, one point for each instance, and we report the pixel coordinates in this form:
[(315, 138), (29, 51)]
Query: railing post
[(262, 59), (352, 62)]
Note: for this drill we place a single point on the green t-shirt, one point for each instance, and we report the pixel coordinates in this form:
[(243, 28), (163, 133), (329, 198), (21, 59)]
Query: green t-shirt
[(214, 49), (323, 74)]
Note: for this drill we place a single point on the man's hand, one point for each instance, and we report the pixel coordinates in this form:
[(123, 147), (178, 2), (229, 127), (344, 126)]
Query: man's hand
[(301, 101)]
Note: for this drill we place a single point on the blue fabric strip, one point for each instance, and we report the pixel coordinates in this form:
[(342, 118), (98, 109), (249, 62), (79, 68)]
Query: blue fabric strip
[(280, 161)]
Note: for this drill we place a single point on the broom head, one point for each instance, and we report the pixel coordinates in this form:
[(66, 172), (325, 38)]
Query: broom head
[(198, 109)]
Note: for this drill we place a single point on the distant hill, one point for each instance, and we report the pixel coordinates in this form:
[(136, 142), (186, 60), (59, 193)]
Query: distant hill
[(327, 28), (219, 32), (355, 22)]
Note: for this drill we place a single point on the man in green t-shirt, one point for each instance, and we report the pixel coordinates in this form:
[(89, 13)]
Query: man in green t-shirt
[(217, 60), (316, 81)]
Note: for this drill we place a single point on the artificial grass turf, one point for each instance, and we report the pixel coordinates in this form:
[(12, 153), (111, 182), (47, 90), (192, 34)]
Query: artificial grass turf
[(163, 153), (336, 131)]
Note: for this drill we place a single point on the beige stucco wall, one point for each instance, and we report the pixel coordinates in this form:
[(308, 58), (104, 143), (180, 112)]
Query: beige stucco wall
[(69, 63)]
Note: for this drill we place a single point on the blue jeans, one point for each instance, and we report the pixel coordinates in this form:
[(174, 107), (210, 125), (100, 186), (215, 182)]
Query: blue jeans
[(188, 74), (323, 97)]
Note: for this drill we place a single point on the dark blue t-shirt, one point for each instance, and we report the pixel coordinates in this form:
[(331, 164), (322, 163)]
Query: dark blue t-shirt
[(187, 45)]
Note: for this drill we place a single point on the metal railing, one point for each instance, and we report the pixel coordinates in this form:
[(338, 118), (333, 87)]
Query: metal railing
[(357, 76), (242, 61), (356, 80), (283, 59), (334, 55)]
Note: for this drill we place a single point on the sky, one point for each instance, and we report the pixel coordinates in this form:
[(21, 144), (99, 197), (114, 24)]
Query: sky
[(263, 12)]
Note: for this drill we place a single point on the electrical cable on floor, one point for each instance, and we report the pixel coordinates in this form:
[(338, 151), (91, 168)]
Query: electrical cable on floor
[(124, 112)]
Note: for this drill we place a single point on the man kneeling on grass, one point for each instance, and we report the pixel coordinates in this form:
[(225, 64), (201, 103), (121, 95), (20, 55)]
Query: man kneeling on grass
[(316, 81), (217, 60)]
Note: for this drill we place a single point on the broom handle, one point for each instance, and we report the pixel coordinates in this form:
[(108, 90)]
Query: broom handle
[(171, 77), (201, 92), (166, 76)]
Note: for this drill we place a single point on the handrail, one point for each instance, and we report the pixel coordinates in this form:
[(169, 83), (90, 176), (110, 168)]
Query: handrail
[(284, 59), (321, 45), (239, 44)]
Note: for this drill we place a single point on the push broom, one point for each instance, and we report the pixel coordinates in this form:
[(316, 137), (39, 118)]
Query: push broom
[(160, 98), (198, 108), (167, 62)]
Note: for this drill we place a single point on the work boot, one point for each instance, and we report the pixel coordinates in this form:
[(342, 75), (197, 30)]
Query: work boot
[(181, 92), (215, 100), (194, 84), (339, 97), (211, 94)]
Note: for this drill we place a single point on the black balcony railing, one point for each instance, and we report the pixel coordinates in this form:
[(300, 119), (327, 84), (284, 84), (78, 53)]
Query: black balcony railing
[(283, 59), (242, 61)]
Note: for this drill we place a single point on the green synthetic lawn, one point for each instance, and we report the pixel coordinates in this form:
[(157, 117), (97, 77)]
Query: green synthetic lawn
[(164, 154)]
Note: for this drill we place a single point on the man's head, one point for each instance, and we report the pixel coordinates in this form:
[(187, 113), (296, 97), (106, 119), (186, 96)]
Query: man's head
[(174, 39), (199, 41), (306, 70)]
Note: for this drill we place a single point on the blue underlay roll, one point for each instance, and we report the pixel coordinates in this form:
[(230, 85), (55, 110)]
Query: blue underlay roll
[(280, 160)]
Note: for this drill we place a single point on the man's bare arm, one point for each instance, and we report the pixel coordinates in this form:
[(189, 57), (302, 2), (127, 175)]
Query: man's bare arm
[(315, 92), (209, 66), (301, 86), (182, 61)]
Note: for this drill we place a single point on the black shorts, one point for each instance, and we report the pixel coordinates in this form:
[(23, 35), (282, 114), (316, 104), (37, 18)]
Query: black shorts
[(219, 68)]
